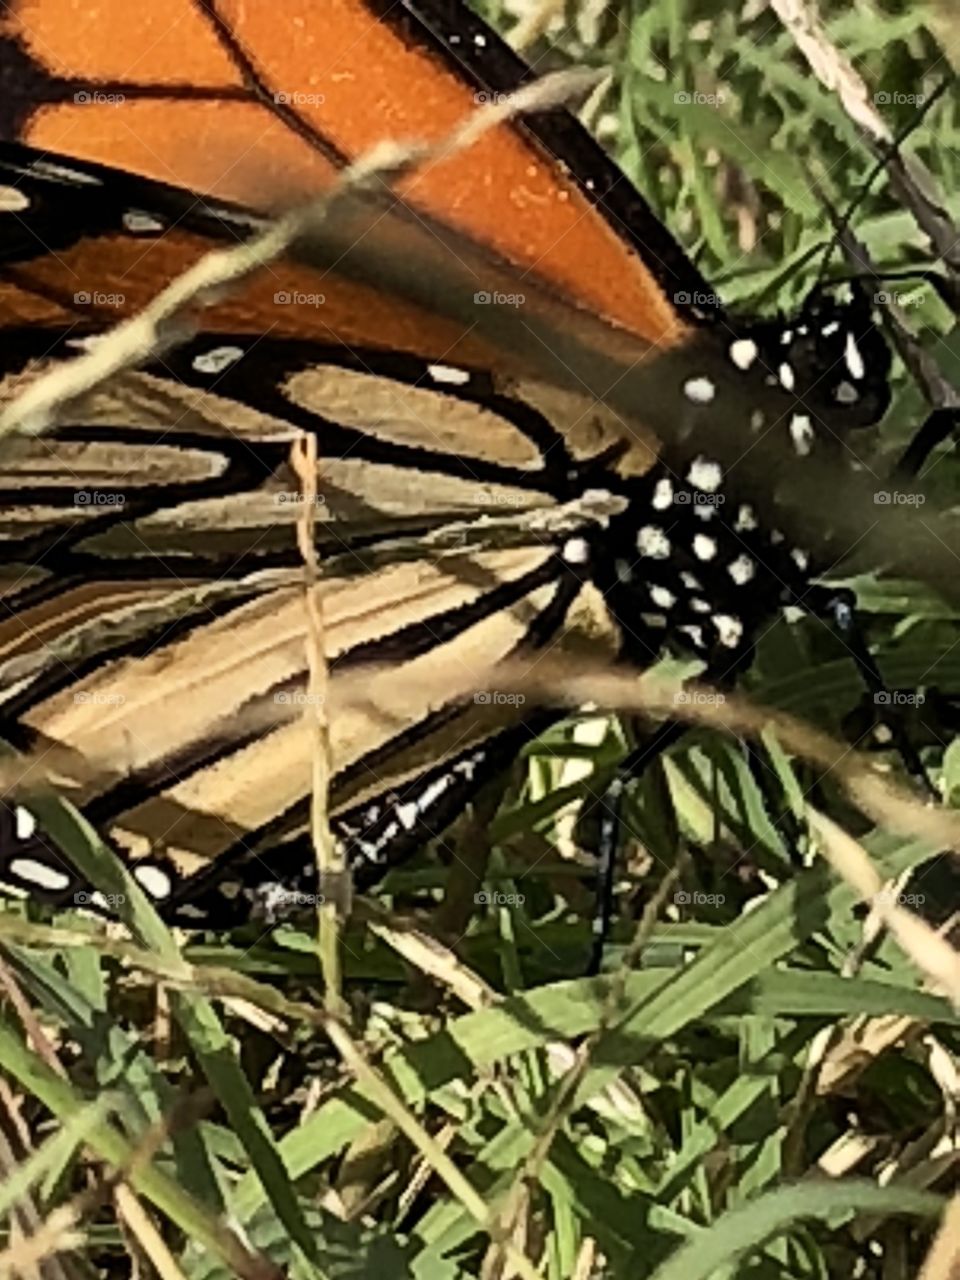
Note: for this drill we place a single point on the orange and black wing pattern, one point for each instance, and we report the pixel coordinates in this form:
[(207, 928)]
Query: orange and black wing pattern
[(258, 106)]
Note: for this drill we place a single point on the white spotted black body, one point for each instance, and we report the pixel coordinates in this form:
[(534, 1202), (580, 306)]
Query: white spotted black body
[(691, 565)]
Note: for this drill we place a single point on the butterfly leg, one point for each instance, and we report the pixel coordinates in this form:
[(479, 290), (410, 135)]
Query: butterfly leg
[(839, 607), (609, 810), (940, 424)]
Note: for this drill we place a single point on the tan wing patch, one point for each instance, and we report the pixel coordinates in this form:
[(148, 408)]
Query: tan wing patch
[(418, 417), (241, 673)]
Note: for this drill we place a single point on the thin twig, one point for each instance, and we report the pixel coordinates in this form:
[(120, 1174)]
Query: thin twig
[(932, 954), (329, 857)]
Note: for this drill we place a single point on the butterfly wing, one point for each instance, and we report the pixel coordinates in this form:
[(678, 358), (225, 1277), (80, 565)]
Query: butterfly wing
[(267, 108)]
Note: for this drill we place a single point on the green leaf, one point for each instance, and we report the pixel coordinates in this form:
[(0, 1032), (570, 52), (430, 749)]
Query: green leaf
[(743, 1229)]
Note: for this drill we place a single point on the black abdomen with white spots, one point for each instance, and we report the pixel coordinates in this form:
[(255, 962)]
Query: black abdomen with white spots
[(687, 567), (691, 566)]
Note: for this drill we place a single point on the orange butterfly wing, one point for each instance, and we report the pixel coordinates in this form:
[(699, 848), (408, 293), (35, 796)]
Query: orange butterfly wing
[(258, 103)]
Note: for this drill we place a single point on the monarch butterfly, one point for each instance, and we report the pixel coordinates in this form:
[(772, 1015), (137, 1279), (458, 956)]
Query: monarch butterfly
[(110, 607)]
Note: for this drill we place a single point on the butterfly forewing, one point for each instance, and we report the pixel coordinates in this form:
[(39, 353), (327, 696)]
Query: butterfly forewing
[(156, 621)]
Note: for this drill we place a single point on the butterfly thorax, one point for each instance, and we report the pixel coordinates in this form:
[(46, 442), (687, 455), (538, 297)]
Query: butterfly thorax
[(693, 564)]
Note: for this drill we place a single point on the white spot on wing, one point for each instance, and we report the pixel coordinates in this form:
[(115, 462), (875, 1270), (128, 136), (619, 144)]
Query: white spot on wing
[(429, 795), (663, 597), (26, 823), (746, 520), (407, 815), (217, 360), (704, 548), (13, 200), (141, 223), (662, 495), (446, 373), (60, 173), (39, 873), (787, 378), (800, 559), (154, 880), (690, 581), (576, 551)]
